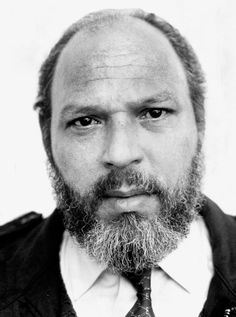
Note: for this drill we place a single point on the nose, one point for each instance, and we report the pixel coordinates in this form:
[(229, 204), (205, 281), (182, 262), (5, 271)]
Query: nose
[(122, 146)]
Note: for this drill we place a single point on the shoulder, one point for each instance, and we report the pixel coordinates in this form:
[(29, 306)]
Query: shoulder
[(19, 226), (211, 206), (29, 246), (218, 221)]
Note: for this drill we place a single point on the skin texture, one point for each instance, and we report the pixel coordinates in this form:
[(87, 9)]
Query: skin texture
[(126, 83)]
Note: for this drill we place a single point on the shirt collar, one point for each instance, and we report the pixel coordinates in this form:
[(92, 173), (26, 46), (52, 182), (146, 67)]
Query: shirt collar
[(80, 268), (191, 259)]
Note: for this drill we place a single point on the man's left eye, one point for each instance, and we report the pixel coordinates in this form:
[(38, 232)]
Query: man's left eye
[(154, 113)]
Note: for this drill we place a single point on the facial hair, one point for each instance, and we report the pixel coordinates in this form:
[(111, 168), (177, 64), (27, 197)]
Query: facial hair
[(130, 242)]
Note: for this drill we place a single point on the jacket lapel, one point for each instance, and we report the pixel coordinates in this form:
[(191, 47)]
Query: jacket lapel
[(222, 291)]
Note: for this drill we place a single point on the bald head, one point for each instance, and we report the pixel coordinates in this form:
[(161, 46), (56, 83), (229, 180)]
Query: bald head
[(135, 50)]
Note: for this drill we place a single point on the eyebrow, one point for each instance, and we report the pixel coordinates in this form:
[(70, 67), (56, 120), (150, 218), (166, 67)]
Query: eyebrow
[(157, 98), (74, 108)]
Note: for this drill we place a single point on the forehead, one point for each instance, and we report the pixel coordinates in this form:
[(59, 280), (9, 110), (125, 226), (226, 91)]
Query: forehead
[(128, 51)]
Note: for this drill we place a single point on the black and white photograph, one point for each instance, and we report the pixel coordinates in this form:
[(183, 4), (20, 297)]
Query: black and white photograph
[(118, 151)]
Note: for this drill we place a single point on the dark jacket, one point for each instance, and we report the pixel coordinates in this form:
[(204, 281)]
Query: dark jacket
[(31, 283)]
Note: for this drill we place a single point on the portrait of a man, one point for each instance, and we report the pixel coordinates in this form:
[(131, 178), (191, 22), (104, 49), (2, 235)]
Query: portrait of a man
[(121, 108)]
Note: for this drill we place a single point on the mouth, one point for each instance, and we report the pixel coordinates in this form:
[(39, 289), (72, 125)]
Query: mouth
[(125, 200), (124, 194)]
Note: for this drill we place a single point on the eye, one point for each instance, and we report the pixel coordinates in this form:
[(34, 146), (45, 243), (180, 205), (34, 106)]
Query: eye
[(84, 122), (154, 113)]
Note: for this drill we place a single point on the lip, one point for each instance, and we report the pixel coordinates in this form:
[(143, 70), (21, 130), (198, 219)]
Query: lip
[(118, 202), (124, 194)]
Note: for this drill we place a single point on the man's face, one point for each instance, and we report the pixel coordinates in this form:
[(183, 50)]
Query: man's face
[(120, 103)]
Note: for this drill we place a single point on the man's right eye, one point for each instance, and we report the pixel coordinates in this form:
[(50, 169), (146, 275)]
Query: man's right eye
[(83, 122)]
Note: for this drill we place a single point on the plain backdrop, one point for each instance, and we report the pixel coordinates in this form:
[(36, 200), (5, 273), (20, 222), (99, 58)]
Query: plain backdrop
[(28, 29)]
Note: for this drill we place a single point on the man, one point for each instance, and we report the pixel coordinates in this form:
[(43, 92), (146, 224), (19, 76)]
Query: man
[(121, 109)]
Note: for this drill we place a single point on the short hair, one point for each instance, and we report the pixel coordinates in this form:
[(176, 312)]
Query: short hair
[(189, 60)]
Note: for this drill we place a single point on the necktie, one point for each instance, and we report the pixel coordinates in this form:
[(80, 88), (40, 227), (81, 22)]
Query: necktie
[(143, 305)]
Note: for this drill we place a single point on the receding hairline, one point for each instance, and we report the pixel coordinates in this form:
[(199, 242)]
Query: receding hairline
[(98, 19), (106, 20), (116, 23)]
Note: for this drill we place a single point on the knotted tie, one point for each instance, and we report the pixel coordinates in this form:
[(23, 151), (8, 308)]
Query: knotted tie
[(143, 305)]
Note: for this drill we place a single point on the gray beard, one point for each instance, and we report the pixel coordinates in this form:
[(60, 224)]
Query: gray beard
[(130, 241)]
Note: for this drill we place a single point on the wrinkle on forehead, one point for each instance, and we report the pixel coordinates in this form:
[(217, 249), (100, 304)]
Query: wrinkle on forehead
[(111, 66), (114, 66), (109, 58), (134, 52)]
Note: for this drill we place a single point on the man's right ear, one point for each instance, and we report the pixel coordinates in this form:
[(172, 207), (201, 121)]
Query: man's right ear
[(41, 121), (45, 125)]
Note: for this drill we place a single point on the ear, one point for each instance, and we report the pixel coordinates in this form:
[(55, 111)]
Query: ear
[(42, 120), (201, 135), (45, 126)]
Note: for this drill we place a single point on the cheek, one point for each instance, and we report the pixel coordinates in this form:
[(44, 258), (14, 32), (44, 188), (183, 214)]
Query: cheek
[(171, 157), (77, 163)]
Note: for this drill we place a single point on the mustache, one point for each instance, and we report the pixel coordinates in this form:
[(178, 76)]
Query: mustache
[(130, 177)]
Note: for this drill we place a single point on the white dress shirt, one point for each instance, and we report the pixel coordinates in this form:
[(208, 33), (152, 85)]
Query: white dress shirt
[(179, 289)]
